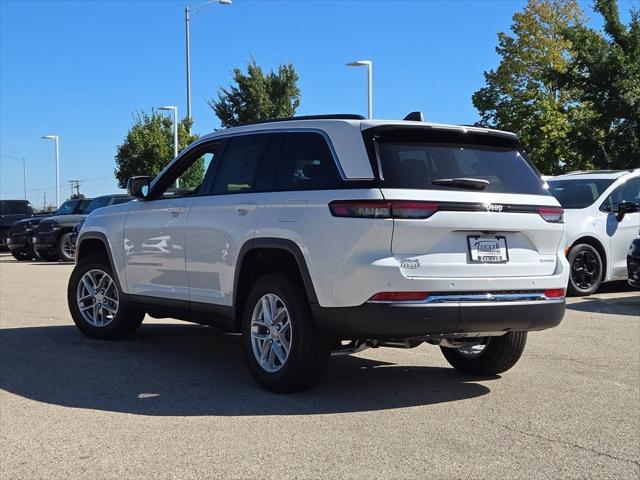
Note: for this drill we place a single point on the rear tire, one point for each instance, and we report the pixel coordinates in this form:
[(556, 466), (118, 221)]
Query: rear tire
[(585, 272), (284, 349), (64, 248), (498, 355), (103, 314)]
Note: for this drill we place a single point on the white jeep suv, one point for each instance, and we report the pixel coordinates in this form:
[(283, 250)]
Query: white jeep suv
[(602, 217), (325, 234)]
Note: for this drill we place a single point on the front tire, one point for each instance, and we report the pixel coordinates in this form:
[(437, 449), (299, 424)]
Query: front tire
[(494, 355), (22, 256), (284, 350), (586, 270), (96, 303), (65, 249)]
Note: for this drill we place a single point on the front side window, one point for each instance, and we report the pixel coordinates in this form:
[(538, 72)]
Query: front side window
[(240, 162), (306, 163), (97, 203), (67, 207), (188, 176), (627, 192), (578, 192)]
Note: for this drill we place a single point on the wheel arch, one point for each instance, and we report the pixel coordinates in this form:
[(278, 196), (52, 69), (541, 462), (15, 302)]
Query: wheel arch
[(96, 243), (262, 255), (597, 244)]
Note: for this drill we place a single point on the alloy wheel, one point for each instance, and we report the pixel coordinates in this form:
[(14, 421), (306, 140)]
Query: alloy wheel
[(97, 298), (271, 333), (584, 270)]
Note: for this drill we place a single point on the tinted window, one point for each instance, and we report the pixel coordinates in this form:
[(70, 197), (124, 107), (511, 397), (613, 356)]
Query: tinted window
[(628, 192), (240, 163), (83, 206), (119, 200), (306, 163), (418, 165), (578, 192), (97, 203), (68, 207), (14, 208)]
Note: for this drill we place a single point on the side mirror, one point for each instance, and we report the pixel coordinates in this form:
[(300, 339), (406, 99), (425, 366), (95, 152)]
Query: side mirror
[(626, 207), (139, 186)]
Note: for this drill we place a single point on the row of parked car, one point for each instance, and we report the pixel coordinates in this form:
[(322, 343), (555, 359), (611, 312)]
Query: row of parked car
[(50, 237), (601, 220)]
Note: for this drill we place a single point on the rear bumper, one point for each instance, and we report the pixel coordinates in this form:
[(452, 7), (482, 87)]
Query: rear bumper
[(403, 320)]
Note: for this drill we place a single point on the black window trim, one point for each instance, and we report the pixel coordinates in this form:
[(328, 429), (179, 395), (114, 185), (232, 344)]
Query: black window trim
[(184, 156)]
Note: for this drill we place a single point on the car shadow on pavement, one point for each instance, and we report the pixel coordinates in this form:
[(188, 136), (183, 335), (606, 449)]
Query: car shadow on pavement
[(185, 370), (625, 305)]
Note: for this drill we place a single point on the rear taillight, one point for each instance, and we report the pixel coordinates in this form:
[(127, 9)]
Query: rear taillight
[(554, 293), (399, 296), (382, 209), (552, 214)]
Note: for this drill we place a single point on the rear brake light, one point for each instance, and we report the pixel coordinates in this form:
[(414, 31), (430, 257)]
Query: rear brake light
[(383, 209), (399, 296), (554, 293), (552, 214)]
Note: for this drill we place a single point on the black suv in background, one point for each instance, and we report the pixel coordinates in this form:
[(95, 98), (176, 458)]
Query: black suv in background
[(54, 235), (10, 212), (21, 234)]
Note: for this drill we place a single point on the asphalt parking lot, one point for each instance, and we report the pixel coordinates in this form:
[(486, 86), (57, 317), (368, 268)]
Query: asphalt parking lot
[(176, 401)]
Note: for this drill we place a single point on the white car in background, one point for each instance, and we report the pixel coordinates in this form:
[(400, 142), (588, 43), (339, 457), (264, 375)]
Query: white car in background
[(602, 217)]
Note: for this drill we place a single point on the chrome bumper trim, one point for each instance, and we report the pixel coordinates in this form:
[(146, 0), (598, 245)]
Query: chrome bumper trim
[(476, 298)]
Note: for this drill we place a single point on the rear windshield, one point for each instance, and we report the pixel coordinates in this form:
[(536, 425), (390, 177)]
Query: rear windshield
[(417, 165), (579, 192)]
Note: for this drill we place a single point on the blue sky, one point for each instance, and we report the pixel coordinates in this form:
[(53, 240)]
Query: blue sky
[(81, 69)]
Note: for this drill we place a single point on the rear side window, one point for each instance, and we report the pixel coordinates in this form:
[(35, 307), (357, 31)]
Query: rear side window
[(418, 165), (306, 163), (119, 200), (240, 162)]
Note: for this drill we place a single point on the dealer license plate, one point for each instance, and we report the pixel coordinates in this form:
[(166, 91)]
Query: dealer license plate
[(488, 249)]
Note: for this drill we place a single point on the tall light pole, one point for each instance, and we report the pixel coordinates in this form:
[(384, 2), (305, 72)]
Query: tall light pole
[(369, 65), (187, 20), (55, 137), (174, 109)]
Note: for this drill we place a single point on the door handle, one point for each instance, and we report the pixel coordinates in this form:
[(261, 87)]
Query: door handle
[(175, 211), (244, 208)]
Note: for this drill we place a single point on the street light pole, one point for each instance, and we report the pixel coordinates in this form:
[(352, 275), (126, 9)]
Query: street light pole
[(55, 137), (174, 109), (24, 177), (369, 65), (187, 21)]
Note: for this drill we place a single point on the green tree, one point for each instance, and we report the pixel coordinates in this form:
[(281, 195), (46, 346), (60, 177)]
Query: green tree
[(605, 73), (524, 94), (148, 148), (256, 96)]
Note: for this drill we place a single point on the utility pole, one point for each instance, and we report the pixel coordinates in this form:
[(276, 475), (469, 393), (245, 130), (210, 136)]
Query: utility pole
[(44, 203), (75, 184)]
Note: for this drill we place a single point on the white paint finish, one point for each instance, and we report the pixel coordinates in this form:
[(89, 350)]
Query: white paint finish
[(439, 242), (217, 228), (154, 237), (293, 209), (614, 237)]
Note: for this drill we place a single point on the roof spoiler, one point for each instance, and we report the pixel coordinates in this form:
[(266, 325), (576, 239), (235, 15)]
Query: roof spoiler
[(415, 117)]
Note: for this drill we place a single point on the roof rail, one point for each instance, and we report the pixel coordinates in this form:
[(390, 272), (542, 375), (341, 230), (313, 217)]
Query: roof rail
[(328, 116)]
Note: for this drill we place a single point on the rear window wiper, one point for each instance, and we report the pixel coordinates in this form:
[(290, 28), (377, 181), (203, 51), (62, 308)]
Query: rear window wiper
[(469, 183)]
